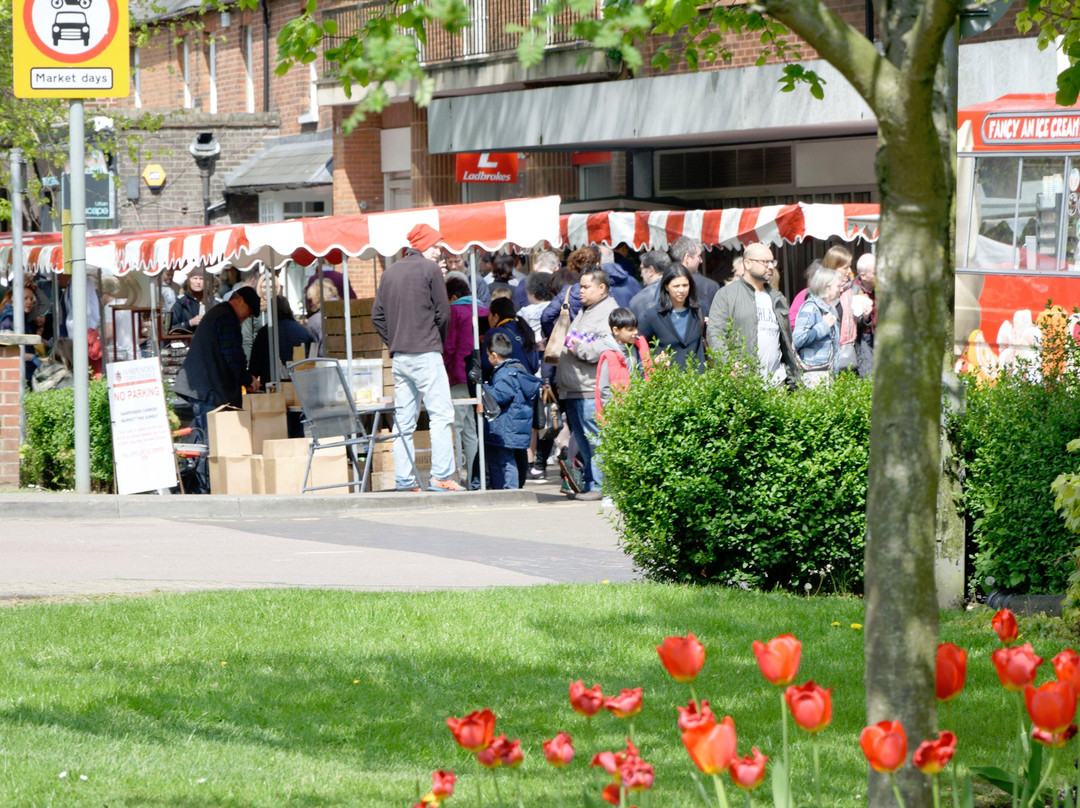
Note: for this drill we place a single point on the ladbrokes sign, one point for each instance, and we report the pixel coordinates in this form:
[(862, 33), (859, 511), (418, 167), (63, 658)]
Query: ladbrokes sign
[(486, 167)]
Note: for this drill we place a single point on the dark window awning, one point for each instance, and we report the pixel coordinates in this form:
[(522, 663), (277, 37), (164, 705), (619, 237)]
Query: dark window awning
[(298, 164)]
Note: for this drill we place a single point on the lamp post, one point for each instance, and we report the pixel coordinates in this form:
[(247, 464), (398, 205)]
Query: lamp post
[(205, 149)]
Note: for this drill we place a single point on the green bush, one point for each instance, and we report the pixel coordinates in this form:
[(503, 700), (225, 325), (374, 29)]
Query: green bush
[(720, 478), (48, 456), (1012, 442)]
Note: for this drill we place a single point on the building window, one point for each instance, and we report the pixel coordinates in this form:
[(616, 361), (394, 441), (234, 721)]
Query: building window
[(281, 206), (249, 80), (185, 72), (136, 83), (302, 209), (211, 71), (595, 180)]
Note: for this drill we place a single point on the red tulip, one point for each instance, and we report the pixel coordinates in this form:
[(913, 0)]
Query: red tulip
[(442, 783), (779, 658), (611, 793), (611, 761), (474, 731), (1051, 706), (1067, 667), (932, 756), (1016, 666), (511, 755), (810, 705), (885, 746), (636, 774), (951, 671), (492, 756), (586, 702), (625, 705), (689, 717), (1004, 623), (683, 657), (749, 771), (711, 747), (1050, 739), (559, 751)]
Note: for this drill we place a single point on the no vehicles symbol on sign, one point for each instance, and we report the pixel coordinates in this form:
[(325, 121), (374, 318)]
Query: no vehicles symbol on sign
[(71, 48)]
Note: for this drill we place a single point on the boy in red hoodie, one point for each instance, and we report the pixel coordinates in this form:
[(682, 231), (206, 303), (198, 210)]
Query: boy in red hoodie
[(628, 358)]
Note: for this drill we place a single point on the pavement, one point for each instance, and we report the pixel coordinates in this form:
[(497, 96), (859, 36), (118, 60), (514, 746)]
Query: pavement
[(70, 546)]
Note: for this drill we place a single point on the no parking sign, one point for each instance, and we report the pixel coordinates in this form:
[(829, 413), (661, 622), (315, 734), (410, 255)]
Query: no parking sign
[(70, 48)]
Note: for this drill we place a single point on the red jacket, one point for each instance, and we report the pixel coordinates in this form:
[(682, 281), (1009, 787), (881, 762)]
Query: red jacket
[(618, 371)]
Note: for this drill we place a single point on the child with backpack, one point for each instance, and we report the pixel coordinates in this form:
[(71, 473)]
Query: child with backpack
[(627, 359), (513, 389)]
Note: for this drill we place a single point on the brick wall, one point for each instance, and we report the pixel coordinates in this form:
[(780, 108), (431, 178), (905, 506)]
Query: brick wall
[(10, 379)]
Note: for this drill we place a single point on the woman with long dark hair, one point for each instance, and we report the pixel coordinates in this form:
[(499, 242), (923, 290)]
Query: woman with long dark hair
[(504, 320), (675, 326)]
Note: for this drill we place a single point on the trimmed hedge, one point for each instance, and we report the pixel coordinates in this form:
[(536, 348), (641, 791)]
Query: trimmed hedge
[(48, 456), (719, 478), (1012, 440)]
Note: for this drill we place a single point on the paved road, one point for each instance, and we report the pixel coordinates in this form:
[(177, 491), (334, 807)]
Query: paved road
[(453, 546)]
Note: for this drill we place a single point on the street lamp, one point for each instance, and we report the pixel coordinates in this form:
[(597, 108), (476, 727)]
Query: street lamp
[(205, 149)]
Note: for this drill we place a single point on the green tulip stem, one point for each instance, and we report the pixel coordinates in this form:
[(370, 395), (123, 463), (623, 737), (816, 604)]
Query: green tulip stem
[(1046, 776), (1078, 770), (495, 779), (693, 694), (1018, 741), (952, 769), (721, 795), (622, 797), (1020, 712), (896, 790), (749, 803), (817, 768), (560, 792), (937, 790), (479, 794), (633, 740), (784, 733)]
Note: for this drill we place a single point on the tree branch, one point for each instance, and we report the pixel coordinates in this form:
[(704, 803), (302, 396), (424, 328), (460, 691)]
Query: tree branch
[(841, 45), (926, 39)]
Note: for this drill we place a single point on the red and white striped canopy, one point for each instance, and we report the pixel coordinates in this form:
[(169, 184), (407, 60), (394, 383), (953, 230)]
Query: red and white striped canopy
[(490, 225), (730, 227)]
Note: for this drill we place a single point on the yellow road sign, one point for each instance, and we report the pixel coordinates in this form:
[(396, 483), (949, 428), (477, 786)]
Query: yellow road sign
[(70, 48)]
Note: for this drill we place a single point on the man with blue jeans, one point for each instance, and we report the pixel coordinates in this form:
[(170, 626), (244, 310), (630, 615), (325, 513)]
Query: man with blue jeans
[(411, 314), (590, 336)]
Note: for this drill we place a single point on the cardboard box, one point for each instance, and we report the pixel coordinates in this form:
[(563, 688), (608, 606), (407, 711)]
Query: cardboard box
[(288, 389), (267, 417), (228, 432), (285, 461), (236, 475)]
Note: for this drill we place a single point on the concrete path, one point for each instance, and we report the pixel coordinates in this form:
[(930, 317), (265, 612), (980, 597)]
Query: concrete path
[(58, 545)]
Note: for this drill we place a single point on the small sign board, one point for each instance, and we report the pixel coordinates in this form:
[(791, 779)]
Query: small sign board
[(70, 48), (486, 167), (142, 440), (99, 195)]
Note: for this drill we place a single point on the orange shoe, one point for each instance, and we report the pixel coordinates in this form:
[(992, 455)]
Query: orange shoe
[(444, 485)]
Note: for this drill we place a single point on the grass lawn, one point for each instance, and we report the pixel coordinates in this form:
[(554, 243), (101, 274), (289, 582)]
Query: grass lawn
[(313, 698)]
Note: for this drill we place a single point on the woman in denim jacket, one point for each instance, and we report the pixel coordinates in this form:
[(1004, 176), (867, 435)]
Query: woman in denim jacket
[(816, 335)]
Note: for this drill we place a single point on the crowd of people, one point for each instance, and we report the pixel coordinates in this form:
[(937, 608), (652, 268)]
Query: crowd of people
[(560, 339)]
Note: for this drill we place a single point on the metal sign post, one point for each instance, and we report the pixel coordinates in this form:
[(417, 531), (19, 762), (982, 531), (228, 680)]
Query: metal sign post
[(77, 266), (18, 290)]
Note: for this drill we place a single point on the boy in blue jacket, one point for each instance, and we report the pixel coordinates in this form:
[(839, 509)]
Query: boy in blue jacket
[(507, 435)]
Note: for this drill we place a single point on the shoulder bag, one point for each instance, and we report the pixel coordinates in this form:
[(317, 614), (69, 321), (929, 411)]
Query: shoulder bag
[(556, 343)]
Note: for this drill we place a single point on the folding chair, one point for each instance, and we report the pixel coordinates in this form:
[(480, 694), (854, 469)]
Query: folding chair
[(334, 420)]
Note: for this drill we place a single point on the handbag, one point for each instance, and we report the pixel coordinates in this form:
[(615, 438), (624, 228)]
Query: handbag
[(845, 357), (546, 419), (491, 406), (556, 343)]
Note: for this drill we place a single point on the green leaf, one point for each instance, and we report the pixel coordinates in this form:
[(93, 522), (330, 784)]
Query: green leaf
[(330, 26)]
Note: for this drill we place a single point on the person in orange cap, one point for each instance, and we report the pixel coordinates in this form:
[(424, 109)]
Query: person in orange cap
[(411, 314)]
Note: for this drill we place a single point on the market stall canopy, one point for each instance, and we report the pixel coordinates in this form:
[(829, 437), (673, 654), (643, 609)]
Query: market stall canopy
[(489, 225), (1021, 122), (729, 227)]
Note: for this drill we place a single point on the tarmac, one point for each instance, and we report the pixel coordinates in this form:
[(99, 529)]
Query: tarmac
[(75, 546)]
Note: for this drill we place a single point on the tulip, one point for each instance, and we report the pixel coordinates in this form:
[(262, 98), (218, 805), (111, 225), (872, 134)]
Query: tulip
[(779, 658), (636, 774), (1067, 667), (559, 751), (625, 705), (951, 671), (689, 717), (711, 747), (885, 746), (474, 731), (1052, 740), (1051, 706), (608, 760), (442, 784), (611, 793), (1004, 623), (810, 705), (1016, 666), (683, 657), (931, 757), (492, 756), (748, 772), (511, 755), (586, 702)]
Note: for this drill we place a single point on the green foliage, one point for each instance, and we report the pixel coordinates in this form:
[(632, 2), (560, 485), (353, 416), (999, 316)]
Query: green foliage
[(1012, 440), (48, 456), (719, 478)]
